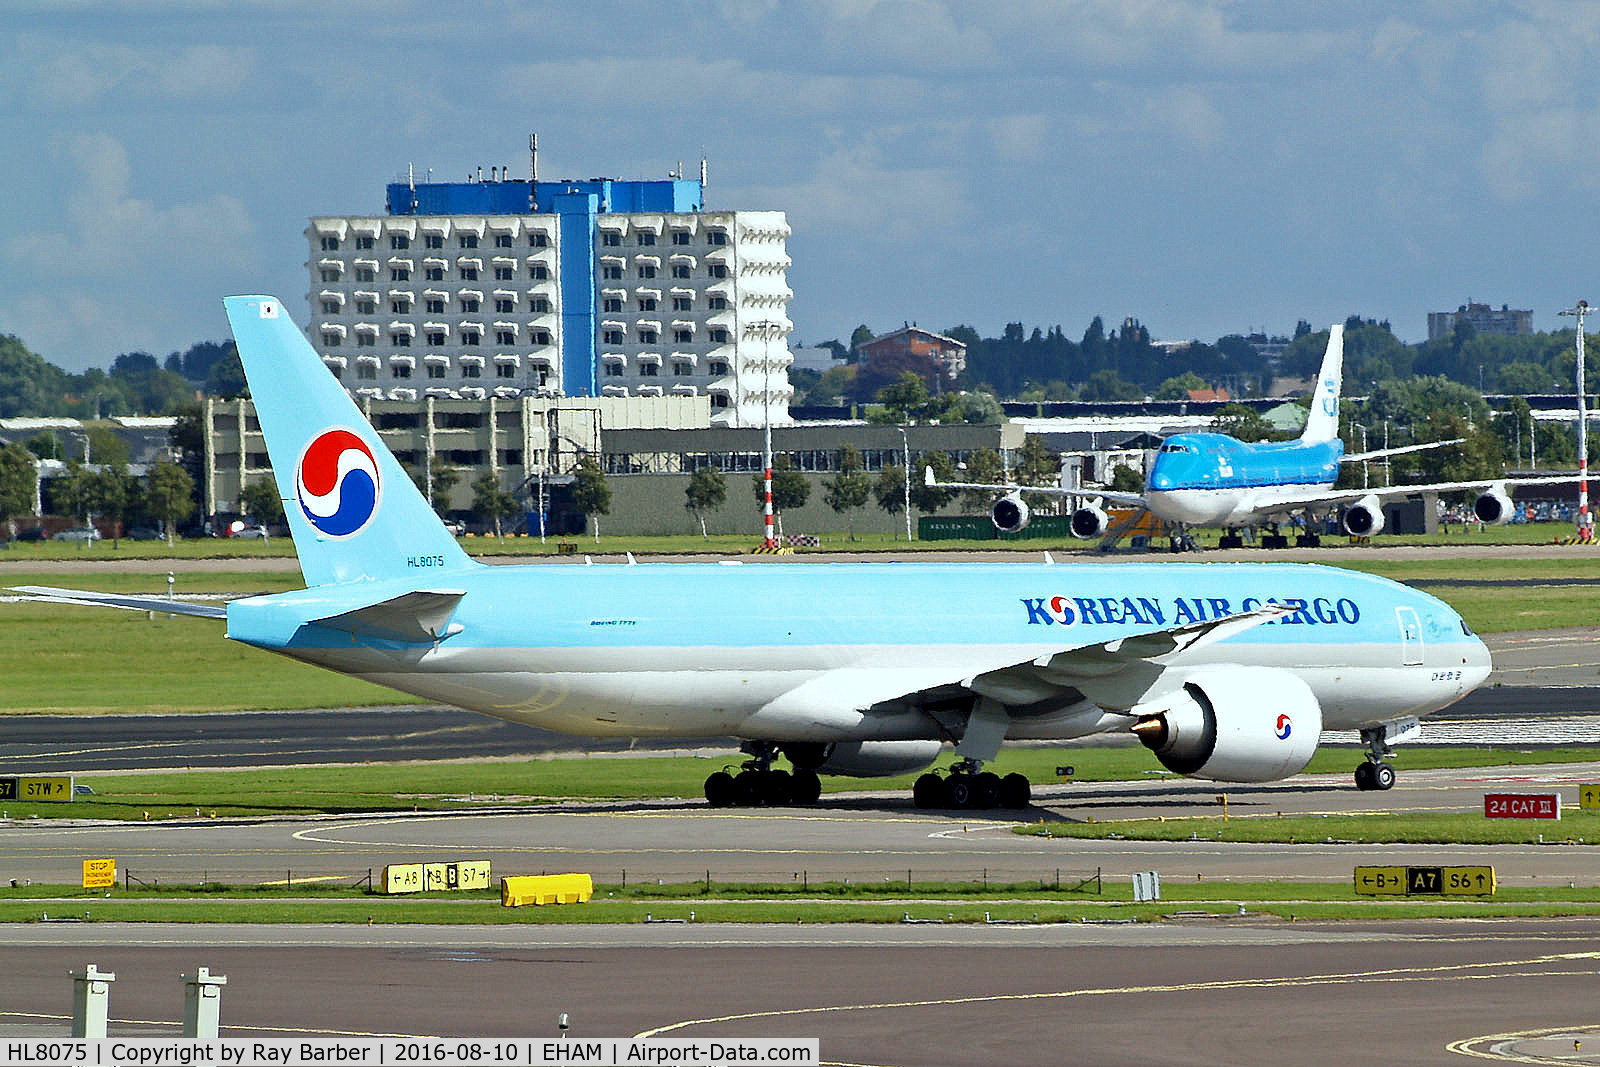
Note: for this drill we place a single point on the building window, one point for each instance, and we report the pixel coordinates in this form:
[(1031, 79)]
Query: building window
[(330, 275), (719, 400), (399, 241), (400, 370), (436, 370), (435, 306), (504, 370), (330, 244), (503, 306), (471, 338), (612, 337), (611, 240), (469, 303), (680, 270), (468, 240), (646, 238), (647, 271), (366, 307), (538, 240), (682, 370), (433, 240), (366, 340), (471, 370), (434, 274), (469, 274), (502, 240), (400, 274), (503, 274), (613, 303), (717, 270), (540, 337), (330, 307), (613, 369), (436, 338), (365, 241), (719, 335), (718, 303), (683, 337), (647, 303), (331, 340), (505, 337), (612, 273), (680, 237), (539, 305), (717, 369), (367, 373), (400, 307), (400, 340), (648, 336), (366, 274), (650, 370), (682, 303), (717, 237), (539, 272)]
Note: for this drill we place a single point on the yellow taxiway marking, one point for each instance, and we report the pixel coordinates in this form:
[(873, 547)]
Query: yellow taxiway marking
[(1443, 973), (1496, 1045)]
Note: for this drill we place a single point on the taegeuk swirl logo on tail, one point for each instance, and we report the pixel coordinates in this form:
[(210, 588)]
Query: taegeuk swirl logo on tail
[(337, 483)]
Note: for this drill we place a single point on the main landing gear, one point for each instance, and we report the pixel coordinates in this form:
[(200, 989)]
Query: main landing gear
[(968, 785), (1375, 773), (759, 783)]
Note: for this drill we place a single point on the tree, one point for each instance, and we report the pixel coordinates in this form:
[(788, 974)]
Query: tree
[(226, 378), (1242, 422), (789, 488), (1107, 384), (984, 467), (926, 498), (890, 489), (1124, 479), (590, 493), (980, 408), (1179, 387), (849, 489), (706, 491), (18, 479), (260, 501), (858, 337), (112, 491), (168, 493), (72, 493), (489, 499), (444, 479), (105, 446)]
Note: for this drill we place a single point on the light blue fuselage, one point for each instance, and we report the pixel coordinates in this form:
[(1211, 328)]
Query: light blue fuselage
[(1212, 479), (705, 649)]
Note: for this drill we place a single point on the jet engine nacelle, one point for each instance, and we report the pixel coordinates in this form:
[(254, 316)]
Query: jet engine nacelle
[(863, 759), (1009, 513), (1493, 507), (1089, 521), (1364, 518), (1236, 724)]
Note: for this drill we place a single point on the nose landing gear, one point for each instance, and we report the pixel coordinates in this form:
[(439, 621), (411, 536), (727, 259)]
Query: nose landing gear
[(1375, 773)]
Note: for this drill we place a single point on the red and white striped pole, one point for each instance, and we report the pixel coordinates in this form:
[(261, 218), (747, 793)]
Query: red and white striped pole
[(771, 542)]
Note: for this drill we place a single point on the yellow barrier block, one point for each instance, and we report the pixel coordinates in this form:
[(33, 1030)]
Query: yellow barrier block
[(1469, 881), (545, 889), (1381, 881), (402, 878), (1589, 795), (99, 874)]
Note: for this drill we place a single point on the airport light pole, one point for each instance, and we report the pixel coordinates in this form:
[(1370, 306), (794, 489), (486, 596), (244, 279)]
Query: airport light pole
[(1583, 430), (905, 444)]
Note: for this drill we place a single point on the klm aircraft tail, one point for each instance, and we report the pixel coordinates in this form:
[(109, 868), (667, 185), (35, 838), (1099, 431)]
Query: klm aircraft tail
[(1323, 422), (353, 511)]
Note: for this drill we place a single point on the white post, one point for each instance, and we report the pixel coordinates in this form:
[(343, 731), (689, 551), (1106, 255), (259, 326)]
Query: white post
[(202, 1002), (1583, 428), (91, 1000), (905, 443)]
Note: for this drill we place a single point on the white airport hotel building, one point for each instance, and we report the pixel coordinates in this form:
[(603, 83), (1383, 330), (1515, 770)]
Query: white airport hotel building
[(501, 288)]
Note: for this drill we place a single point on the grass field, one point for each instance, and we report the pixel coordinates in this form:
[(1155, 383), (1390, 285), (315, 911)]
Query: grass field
[(454, 786), (1577, 827)]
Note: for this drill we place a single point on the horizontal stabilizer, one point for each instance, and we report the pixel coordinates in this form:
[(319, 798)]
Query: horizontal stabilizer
[(415, 618), (131, 603)]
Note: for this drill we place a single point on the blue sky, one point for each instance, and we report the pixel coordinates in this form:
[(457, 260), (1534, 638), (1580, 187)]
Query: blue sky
[(1206, 166)]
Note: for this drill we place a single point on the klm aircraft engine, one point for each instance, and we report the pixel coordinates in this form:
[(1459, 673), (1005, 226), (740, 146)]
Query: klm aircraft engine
[(1240, 724), (863, 759), (1364, 518), (1009, 513), (1493, 507), (1090, 521)]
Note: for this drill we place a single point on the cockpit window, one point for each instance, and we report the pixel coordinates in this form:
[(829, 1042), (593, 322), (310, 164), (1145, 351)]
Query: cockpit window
[(1466, 629), (1176, 448)]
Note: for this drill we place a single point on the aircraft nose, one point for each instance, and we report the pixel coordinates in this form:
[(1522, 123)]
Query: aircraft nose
[(1476, 663)]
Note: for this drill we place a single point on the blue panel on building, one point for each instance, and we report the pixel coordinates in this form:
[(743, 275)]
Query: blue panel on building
[(577, 214)]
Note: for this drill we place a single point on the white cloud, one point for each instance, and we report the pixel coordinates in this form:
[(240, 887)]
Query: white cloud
[(67, 74)]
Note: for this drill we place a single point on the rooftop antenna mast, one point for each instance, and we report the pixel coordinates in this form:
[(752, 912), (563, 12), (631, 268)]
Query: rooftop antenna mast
[(1585, 521)]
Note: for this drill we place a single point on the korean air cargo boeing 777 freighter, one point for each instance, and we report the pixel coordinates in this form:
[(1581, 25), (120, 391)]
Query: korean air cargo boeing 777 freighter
[(1226, 671)]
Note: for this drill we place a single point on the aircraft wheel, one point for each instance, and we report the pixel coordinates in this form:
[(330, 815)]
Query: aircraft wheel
[(986, 790), (1015, 792), (1382, 776), (1364, 776), (958, 791), (719, 790), (777, 789), (928, 792), (805, 787), (747, 791)]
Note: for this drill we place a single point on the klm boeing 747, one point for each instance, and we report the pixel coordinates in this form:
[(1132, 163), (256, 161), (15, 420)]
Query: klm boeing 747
[(1225, 671), (1211, 479)]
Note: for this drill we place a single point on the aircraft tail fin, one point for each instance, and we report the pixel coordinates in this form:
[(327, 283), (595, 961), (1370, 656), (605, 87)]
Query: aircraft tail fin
[(1323, 422), (352, 509)]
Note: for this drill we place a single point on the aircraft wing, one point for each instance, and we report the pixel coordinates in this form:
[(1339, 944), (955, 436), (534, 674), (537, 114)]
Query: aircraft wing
[(1044, 490), (1380, 453), (1113, 674), (1350, 496), (129, 603)]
